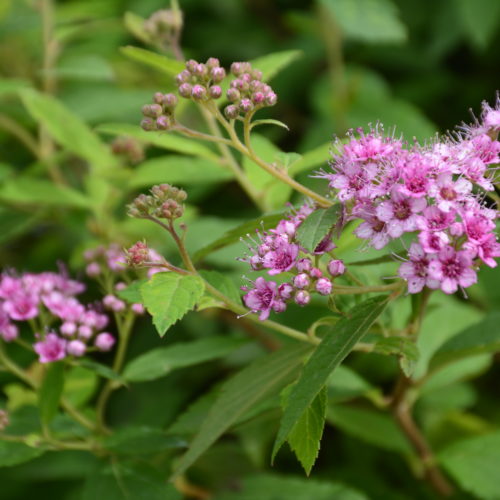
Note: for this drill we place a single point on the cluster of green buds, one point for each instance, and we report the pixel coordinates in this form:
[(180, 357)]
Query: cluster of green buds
[(247, 92), (163, 26), (201, 81), (160, 114), (164, 202)]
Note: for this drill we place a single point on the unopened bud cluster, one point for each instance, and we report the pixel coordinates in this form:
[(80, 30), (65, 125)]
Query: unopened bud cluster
[(128, 148), (163, 25), (164, 202), (200, 81), (160, 114), (247, 92)]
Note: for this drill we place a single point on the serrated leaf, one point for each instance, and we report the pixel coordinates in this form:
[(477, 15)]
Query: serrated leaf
[(374, 21), (232, 236), (161, 361), (169, 296), (474, 463), (269, 121), (223, 284), (402, 347), (166, 140), (287, 160), (479, 338), (317, 225), (124, 481), (369, 425), (252, 385), (272, 64), (164, 64), (51, 391), (332, 350), (138, 440), (305, 437), (132, 294), (68, 129), (178, 169), (13, 453)]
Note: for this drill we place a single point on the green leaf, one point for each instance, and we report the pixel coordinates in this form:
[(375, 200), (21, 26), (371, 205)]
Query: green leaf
[(119, 481), (135, 25), (272, 64), (305, 437), (287, 160), (166, 65), (139, 440), (161, 361), (344, 383), (332, 350), (479, 338), (178, 169), (27, 191), (318, 225), (275, 487), (68, 129), (13, 453), (165, 140), (402, 347), (101, 370), (269, 121), (79, 385), (474, 463), (313, 158), (51, 391), (13, 85), (132, 294), (247, 229), (223, 284), (373, 21), (371, 426), (479, 20), (169, 296), (256, 382)]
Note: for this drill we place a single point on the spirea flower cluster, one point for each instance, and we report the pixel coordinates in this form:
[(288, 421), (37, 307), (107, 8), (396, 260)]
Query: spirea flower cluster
[(278, 252), (66, 327), (436, 192)]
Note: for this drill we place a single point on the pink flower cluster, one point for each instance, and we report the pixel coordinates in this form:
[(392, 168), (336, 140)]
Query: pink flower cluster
[(435, 191), (277, 251), (50, 299)]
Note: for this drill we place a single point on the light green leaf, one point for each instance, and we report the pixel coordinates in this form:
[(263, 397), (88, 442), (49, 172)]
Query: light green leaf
[(139, 440), (28, 191), (479, 338), (132, 294), (119, 481), (474, 463), (135, 25), (318, 225), (163, 360), (371, 426), (234, 235), (178, 170), (256, 382), (13, 85), (12, 453), (79, 385), (305, 437), (223, 284), (287, 160), (332, 350), (275, 487), (272, 64), (166, 65), (169, 296), (51, 391), (165, 140), (68, 129), (344, 383), (373, 21), (479, 20)]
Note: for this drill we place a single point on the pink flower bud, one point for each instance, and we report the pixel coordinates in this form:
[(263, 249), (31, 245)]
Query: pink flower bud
[(138, 308), (76, 348), (316, 273), (271, 99), (231, 111), (163, 122), (169, 101), (218, 74), (185, 90), (104, 341), (336, 267), (237, 68), (68, 328), (191, 65), (301, 281), (303, 265), (215, 91), (158, 98), (302, 298), (324, 286), (285, 291), (258, 97), (183, 77), (246, 105), (93, 269), (199, 92), (233, 95), (9, 332), (212, 62), (85, 332), (147, 124)]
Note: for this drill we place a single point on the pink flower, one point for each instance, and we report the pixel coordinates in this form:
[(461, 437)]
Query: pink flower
[(453, 269), (262, 298), (21, 306), (52, 348), (448, 192), (487, 250), (416, 270), (281, 259)]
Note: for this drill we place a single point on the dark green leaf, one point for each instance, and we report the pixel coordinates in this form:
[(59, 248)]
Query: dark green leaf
[(474, 463), (161, 361), (135, 25), (51, 391), (169, 296), (247, 229), (100, 369), (253, 384), (332, 350), (138, 440), (13, 453), (402, 347), (318, 225)]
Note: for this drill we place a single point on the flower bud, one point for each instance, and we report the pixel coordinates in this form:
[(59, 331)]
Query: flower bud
[(246, 105), (85, 332), (271, 99), (148, 124), (302, 298), (241, 85), (212, 62), (215, 91), (301, 281), (256, 74), (138, 308), (246, 77), (237, 68), (183, 77), (104, 341), (279, 306), (169, 101), (201, 70), (258, 97), (163, 122), (137, 254), (218, 74), (76, 348), (231, 111), (233, 95), (324, 286), (316, 273), (4, 419), (158, 98), (191, 66), (185, 90), (199, 92), (285, 291), (303, 265), (336, 267), (68, 328), (93, 269)]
